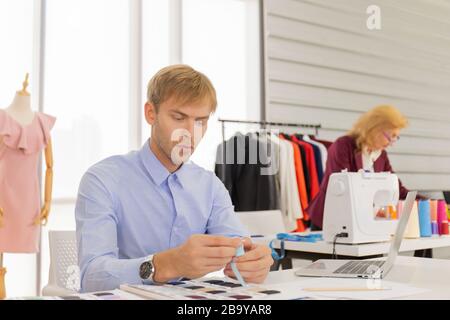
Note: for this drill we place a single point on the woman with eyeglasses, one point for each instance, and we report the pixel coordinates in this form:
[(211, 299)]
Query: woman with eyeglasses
[(362, 148)]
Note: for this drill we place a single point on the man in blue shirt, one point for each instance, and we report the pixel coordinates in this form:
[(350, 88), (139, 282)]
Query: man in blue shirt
[(152, 215)]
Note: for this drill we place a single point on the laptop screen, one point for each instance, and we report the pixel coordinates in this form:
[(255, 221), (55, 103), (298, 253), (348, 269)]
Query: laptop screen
[(401, 226)]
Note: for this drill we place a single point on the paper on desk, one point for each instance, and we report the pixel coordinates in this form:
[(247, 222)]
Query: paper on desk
[(396, 290), (115, 294)]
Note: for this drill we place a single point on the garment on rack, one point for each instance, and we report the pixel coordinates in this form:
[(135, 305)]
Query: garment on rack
[(300, 178), (305, 171), (300, 170), (290, 200), (323, 152), (300, 175), (304, 163), (311, 162), (326, 143), (301, 222), (273, 161), (250, 190), (317, 158)]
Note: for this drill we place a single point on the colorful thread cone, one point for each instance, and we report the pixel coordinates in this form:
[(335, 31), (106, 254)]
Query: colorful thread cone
[(442, 217), (412, 228), (425, 218), (444, 227), (393, 212), (448, 211), (433, 214)]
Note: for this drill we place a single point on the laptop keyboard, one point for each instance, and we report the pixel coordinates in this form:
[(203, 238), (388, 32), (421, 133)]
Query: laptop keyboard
[(359, 267)]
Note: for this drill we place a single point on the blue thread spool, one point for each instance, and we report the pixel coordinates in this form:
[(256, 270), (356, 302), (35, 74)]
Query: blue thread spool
[(425, 218), (434, 228)]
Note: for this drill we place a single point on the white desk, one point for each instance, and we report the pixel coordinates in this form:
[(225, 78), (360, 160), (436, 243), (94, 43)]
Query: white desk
[(418, 272), (422, 273), (322, 249), (362, 250)]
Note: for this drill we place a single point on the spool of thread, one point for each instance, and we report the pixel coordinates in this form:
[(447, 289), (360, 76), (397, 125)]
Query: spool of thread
[(433, 214), (442, 217), (412, 228), (425, 218), (445, 227), (393, 212)]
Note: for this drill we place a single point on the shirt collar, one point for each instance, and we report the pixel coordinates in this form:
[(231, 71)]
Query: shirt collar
[(156, 169), (183, 176), (374, 155)]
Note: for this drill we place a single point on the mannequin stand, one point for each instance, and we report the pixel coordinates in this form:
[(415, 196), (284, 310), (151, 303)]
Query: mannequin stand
[(2, 279)]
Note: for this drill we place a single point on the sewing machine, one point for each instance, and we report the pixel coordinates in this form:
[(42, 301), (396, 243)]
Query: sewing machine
[(353, 203)]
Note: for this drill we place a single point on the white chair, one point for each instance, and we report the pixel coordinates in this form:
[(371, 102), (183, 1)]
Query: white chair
[(64, 275), (266, 223)]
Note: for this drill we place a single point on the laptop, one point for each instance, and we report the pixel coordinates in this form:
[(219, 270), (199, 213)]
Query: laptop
[(358, 268)]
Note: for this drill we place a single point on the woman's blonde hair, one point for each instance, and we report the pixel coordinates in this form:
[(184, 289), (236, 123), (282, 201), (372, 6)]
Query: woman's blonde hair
[(369, 124)]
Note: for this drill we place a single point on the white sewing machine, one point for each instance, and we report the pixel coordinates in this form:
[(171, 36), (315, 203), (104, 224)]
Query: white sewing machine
[(352, 202)]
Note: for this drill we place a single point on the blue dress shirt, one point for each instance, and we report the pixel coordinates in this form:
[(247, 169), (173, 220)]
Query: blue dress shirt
[(130, 206)]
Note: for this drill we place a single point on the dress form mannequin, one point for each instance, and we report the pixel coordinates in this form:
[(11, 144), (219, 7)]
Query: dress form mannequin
[(20, 108), (20, 111)]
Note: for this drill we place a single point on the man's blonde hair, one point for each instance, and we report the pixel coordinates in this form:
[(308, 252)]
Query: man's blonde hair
[(380, 118), (182, 83)]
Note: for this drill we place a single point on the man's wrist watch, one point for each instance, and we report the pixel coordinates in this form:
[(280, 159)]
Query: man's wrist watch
[(147, 269)]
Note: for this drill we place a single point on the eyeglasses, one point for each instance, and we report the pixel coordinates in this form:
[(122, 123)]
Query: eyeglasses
[(391, 140)]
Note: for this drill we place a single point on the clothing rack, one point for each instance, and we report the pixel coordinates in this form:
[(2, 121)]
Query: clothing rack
[(316, 127)]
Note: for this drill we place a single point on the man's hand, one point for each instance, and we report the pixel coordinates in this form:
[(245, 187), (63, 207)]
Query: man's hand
[(198, 256), (254, 265)]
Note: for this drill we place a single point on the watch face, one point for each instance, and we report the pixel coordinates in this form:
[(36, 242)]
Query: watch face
[(146, 270)]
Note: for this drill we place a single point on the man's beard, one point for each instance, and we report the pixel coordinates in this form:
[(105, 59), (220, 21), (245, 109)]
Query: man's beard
[(180, 155), (177, 155)]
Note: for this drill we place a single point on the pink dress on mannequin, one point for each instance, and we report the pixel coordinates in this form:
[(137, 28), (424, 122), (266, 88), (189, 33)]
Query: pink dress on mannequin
[(20, 147)]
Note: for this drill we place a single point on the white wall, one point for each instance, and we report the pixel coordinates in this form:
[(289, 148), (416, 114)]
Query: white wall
[(323, 65)]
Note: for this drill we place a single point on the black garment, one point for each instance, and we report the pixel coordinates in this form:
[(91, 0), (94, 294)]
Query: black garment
[(242, 173), (319, 166), (318, 157)]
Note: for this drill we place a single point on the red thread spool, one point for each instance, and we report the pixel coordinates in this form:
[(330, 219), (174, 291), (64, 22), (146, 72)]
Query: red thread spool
[(444, 227), (442, 217)]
